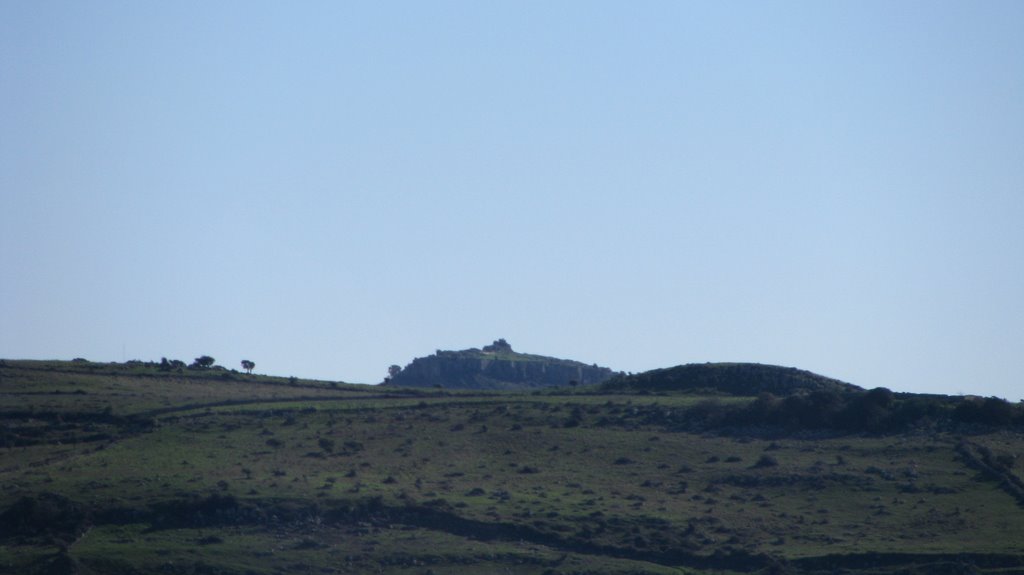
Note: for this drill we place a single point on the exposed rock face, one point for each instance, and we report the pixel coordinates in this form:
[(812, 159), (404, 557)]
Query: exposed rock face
[(496, 366)]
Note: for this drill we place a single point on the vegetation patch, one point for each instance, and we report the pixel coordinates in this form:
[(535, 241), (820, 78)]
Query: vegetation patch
[(313, 478)]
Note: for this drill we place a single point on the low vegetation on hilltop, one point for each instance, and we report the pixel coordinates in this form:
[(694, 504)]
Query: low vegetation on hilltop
[(743, 379)]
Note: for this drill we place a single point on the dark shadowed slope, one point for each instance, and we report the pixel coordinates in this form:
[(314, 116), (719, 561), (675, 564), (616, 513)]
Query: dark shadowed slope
[(731, 378)]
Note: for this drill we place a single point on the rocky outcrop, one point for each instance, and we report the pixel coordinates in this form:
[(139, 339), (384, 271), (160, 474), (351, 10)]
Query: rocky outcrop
[(496, 366)]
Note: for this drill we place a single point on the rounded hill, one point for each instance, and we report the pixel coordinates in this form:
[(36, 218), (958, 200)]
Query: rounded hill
[(745, 379)]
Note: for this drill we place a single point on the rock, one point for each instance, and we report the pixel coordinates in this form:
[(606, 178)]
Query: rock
[(496, 366)]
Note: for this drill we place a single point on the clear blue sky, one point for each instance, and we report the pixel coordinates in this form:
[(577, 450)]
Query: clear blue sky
[(327, 188)]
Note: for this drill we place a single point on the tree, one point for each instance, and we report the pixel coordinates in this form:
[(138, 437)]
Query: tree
[(248, 365), (394, 370), (499, 345), (203, 361), (169, 364)]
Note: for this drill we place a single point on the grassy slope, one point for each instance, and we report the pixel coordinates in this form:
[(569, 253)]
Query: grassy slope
[(345, 479), (735, 378)]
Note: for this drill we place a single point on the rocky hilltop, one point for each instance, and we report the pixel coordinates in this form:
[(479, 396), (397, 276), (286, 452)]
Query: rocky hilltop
[(496, 366)]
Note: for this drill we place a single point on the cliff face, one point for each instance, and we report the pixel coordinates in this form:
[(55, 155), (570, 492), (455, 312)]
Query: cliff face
[(496, 367)]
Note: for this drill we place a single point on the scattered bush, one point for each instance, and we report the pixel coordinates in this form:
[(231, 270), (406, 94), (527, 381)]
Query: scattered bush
[(44, 514)]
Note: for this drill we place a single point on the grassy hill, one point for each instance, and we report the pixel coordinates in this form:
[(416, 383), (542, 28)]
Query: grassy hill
[(745, 379), (125, 469)]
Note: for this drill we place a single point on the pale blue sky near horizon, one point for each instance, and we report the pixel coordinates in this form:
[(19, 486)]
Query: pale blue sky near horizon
[(327, 188)]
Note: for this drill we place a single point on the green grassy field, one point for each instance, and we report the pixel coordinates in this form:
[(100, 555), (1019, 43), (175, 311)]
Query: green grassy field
[(123, 469)]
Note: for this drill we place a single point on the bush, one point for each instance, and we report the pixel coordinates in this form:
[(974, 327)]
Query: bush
[(44, 514)]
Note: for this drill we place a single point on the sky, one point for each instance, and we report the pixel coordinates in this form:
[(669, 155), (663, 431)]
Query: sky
[(329, 188)]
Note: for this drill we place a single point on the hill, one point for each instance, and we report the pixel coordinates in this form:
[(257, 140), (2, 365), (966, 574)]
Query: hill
[(126, 469), (496, 366), (747, 379)]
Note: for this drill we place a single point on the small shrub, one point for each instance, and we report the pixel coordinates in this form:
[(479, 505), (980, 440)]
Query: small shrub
[(1005, 461), (308, 543)]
